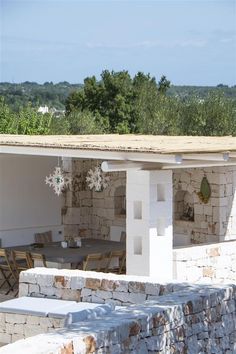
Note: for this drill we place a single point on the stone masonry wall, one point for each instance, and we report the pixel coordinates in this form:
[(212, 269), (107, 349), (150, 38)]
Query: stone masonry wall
[(92, 214), (206, 263), (216, 220), (88, 213), (193, 319), (93, 287), (17, 326)]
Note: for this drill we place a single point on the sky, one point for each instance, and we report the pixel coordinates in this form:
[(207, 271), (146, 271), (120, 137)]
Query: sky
[(191, 42)]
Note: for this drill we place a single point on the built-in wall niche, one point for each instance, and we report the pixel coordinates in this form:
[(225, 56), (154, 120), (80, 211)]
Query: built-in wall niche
[(161, 227), (184, 206), (137, 208), (138, 249), (120, 201), (161, 193)]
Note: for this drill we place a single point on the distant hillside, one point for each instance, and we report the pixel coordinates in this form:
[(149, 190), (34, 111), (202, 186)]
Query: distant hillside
[(49, 94), (201, 91), (54, 95)]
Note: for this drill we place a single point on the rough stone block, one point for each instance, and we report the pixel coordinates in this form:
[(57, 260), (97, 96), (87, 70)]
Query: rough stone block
[(18, 329), (32, 320), (33, 288), (152, 289), (32, 330), (48, 291), (5, 338), (121, 296), (93, 284), (69, 294), (103, 294), (23, 289), (16, 337), (15, 318)]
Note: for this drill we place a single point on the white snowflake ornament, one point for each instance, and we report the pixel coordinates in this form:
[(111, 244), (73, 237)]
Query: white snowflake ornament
[(97, 180), (58, 180)]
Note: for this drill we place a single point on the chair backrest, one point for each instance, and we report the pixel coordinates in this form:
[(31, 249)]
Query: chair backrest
[(9, 276), (43, 237), (21, 260), (114, 256), (93, 262), (5, 260), (123, 236), (38, 259)]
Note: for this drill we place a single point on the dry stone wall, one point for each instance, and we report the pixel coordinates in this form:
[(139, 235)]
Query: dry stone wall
[(92, 286), (192, 319), (17, 326), (215, 220), (206, 263), (88, 213)]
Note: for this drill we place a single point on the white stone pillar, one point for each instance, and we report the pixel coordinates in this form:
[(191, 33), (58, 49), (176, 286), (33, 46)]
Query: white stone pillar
[(149, 223)]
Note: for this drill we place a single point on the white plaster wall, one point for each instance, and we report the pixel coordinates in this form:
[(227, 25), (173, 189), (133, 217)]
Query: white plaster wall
[(27, 204)]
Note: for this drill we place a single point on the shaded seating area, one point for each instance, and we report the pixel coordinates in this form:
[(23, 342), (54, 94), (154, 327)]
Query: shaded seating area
[(116, 262), (21, 261), (94, 254), (93, 262), (37, 259), (12, 263), (8, 274), (55, 255), (111, 262)]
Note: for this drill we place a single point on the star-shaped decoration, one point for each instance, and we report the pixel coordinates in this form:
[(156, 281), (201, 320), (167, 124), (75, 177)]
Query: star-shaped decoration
[(97, 180), (58, 180)]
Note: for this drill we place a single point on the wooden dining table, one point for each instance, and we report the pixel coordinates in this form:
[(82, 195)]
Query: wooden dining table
[(59, 257)]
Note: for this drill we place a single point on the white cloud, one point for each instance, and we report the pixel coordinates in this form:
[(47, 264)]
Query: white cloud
[(149, 44), (227, 40)]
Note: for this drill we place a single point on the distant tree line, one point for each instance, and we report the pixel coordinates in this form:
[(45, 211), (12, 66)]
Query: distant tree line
[(118, 103), (49, 94)]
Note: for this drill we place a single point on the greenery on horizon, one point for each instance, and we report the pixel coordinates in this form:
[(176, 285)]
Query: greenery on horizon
[(120, 104)]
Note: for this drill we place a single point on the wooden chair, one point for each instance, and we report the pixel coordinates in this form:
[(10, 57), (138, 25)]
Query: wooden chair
[(7, 270), (93, 262), (115, 256), (43, 237), (37, 257), (21, 261)]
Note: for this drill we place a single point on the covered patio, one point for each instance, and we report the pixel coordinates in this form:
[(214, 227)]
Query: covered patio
[(155, 194)]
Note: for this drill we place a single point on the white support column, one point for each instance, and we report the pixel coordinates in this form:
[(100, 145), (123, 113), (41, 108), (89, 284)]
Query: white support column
[(149, 223)]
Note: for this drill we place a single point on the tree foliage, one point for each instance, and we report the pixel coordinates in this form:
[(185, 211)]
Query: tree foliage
[(85, 122), (118, 103), (27, 121)]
